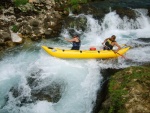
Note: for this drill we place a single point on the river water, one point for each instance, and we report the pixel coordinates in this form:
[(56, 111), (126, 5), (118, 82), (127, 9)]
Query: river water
[(79, 79)]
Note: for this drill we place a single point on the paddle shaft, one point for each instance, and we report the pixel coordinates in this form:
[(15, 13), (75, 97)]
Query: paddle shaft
[(116, 52), (120, 55)]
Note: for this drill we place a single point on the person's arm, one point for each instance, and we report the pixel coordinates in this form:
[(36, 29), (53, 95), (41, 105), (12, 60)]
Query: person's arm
[(70, 40), (105, 41), (116, 44), (116, 51)]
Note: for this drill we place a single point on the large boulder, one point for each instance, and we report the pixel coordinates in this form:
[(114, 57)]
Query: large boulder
[(35, 90), (16, 38), (128, 91), (79, 23), (6, 36)]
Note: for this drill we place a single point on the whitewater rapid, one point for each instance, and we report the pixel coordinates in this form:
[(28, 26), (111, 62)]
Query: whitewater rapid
[(79, 79)]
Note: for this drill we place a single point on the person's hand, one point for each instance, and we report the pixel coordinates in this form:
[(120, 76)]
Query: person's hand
[(115, 51)]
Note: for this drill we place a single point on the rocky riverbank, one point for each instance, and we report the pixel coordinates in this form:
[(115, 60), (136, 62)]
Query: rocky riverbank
[(128, 91), (34, 20)]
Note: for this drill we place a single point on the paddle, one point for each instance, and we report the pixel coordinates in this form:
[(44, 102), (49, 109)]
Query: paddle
[(117, 53), (121, 55)]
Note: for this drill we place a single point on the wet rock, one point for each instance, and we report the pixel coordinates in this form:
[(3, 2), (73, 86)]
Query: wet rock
[(137, 42), (6, 36), (34, 23), (51, 24), (24, 28), (10, 44), (35, 19), (31, 1), (73, 32), (49, 21), (35, 37), (6, 3), (26, 7), (147, 40), (57, 15), (35, 90), (25, 10), (19, 19), (126, 12), (48, 33), (65, 13), (2, 44), (17, 10), (36, 30), (16, 38), (128, 91), (79, 23), (101, 7), (28, 30), (9, 11), (18, 94), (50, 93)]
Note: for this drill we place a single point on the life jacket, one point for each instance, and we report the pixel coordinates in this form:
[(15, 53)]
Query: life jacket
[(108, 44), (77, 44)]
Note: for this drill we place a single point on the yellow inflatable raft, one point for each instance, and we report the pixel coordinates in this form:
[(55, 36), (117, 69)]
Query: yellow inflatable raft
[(84, 54)]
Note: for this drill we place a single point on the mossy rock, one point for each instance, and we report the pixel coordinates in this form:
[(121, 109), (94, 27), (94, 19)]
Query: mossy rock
[(129, 91)]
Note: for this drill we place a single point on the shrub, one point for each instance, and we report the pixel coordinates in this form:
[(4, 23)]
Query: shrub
[(20, 2), (15, 28), (75, 7)]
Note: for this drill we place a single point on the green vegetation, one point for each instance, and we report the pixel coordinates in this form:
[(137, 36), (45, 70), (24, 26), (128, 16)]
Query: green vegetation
[(75, 4), (1, 7), (20, 2), (116, 90), (15, 28), (78, 1), (121, 84)]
